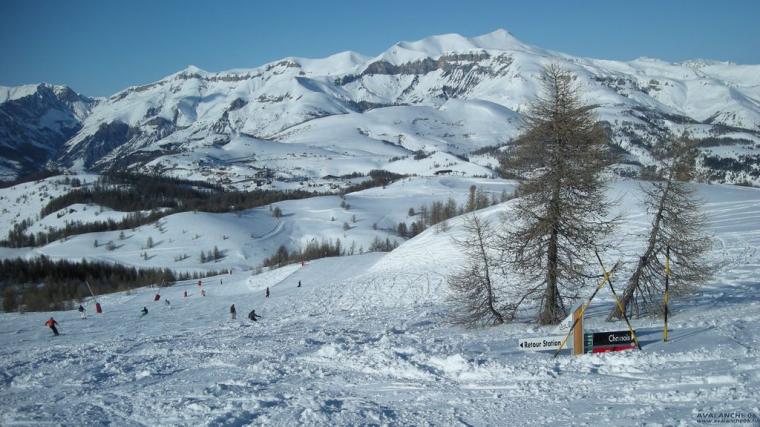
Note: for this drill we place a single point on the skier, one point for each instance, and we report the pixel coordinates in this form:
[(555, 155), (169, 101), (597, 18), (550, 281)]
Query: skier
[(233, 313), (203, 292), (267, 294), (185, 294), (144, 312), (168, 303), (299, 283), (253, 316), (51, 324), (82, 312)]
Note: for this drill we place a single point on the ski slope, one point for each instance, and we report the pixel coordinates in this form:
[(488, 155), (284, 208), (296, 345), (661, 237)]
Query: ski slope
[(366, 340)]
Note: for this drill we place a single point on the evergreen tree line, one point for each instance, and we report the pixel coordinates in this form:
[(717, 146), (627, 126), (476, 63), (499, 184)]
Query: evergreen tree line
[(129, 192), (18, 238), (313, 250), (35, 176), (325, 248), (378, 178), (438, 212), (173, 197), (212, 255), (42, 284)]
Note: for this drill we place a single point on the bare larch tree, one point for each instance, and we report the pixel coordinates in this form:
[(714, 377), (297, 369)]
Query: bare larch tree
[(561, 216), (677, 222), (474, 287)]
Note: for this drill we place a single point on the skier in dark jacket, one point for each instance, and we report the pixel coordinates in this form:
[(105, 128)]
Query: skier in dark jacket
[(253, 316), (267, 294), (51, 324), (299, 283), (233, 312), (82, 312), (144, 311)]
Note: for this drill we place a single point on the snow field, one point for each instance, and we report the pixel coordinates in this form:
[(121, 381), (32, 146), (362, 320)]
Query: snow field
[(367, 340)]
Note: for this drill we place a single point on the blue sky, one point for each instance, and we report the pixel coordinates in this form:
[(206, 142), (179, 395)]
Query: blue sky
[(100, 47)]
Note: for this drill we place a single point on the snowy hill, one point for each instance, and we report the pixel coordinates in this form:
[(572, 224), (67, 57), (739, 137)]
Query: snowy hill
[(366, 340), (246, 238), (446, 93)]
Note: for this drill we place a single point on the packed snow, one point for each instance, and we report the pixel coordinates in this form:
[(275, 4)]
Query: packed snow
[(366, 339)]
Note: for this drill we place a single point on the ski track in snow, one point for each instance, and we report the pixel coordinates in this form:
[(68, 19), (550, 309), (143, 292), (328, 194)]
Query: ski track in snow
[(366, 341)]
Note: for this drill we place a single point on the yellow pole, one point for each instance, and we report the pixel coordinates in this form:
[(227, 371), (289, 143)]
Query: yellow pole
[(620, 305)]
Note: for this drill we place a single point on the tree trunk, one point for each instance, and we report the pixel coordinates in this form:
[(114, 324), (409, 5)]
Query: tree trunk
[(633, 282), (489, 290), (549, 313)]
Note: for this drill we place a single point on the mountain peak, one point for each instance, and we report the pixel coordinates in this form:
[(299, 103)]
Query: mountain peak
[(340, 62), (193, 69), (190, 71), (10, 93), (437, 45), (500, 39)]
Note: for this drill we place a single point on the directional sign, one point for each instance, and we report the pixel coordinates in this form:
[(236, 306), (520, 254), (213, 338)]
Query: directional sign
[(612, 338), (542, 343), (602, 342)]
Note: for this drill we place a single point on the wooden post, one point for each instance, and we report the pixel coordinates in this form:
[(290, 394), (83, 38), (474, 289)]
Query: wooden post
[(578, 331)]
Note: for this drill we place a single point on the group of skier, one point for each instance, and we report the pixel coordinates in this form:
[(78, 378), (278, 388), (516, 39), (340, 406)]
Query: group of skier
[(52, 323)]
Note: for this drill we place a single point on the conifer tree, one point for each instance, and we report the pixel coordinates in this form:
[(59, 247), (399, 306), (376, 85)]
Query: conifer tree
[(678, 224), (474, 287), (561, 217)]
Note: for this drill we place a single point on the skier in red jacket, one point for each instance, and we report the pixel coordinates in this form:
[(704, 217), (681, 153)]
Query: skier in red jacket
[(51, 324)]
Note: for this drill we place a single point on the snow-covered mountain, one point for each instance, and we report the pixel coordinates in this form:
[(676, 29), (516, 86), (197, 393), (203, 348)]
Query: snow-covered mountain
[(306, 118), (35, 122)]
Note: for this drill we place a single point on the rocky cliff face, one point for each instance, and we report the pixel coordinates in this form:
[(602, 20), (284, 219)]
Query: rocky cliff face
[(35, 122)]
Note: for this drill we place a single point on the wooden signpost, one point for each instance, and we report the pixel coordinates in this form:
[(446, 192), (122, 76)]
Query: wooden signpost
[(578, 331)]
